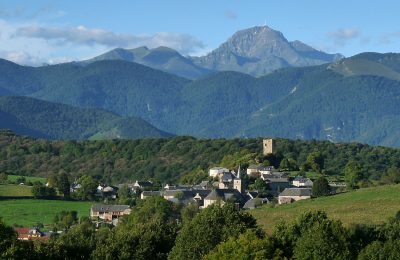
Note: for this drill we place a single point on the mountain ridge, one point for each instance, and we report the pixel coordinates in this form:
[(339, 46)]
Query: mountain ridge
[(256, 51)]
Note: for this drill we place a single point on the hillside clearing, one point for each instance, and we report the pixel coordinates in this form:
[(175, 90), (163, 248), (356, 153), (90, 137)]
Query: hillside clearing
[(364, 206), (29, 212)]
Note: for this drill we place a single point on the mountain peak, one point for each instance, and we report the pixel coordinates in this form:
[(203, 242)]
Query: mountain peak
[(261, 49)]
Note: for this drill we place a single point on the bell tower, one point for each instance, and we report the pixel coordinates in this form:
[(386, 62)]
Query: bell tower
[(268, 146)]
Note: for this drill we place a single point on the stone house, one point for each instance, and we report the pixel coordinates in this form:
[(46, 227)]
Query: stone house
[(290, 195)]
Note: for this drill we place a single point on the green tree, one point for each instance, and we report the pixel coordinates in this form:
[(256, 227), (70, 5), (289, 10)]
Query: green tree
[(392, 176), (64, 185), (389, 250), (288, 164), (316, 161), (87, 189), (352, 174), (123, 192), (7, 237), (52, 181), (210, 227), (3, 177), (152, 208), (320, 187), (260, 185), (323, 240), (40, 191), (247, 246), (287, 235)]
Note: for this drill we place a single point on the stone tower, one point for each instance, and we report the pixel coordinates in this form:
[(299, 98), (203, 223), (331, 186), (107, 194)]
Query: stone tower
[(268, 146), (237, 182)]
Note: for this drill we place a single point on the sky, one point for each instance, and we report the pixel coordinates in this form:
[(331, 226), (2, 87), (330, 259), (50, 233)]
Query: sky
[(39, 31)]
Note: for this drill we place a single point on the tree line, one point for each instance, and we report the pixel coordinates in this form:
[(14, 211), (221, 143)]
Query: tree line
[(187, 159), (157, 229)]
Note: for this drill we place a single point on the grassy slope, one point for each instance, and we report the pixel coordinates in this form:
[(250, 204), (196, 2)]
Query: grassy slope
[(28, 212), (15, 191), (364, 206), (28, 178)]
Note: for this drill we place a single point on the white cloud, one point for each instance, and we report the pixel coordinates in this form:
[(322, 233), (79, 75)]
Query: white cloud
[(342, 36), (82, 35), (31, 43)]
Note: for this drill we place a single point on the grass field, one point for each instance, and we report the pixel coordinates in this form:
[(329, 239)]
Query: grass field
[(29, 212), (364, 206), (28, 178), (11, 190)]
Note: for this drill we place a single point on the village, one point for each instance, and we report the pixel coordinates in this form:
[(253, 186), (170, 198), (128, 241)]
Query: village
[(223, 186)]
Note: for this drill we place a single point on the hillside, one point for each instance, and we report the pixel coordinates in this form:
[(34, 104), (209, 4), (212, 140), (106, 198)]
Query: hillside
[(175, 159), (354, 99), (42, 119), (365, 206)]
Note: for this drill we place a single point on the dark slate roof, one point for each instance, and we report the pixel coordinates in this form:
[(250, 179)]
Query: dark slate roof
[(301, 179), (148, 193), (253, 194), (252, 203), (224, 194), (296, 192), (145, 183), (227, 177), (280, 180), (254, 167), (109, 208)]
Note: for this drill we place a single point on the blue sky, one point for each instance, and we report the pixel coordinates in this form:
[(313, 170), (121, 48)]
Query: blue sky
[(36, 32)]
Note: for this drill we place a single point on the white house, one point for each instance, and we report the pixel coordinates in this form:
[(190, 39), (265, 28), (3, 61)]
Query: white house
[(300, 181), (215, 171)]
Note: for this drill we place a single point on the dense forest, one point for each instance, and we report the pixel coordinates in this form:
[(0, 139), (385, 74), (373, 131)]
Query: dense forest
[(158, 230), (43, 119), (183, 159)]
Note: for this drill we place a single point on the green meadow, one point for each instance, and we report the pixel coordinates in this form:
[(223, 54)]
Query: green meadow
[(365, 206), (11, 190), (29, 212), (13, 178)]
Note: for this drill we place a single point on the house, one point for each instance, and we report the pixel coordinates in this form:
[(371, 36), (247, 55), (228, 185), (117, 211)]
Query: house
[(267, 170), (273, 174), (25, 233), (147, 194), (186, 196), (226, 180), (75, 186), (204, 185), (277, 184), (109, 213), (110, 192), (257, 169), (143, 184), (99, 190), (222, 196), (290, 195), (301, 181), (253, 169), (215, 171)]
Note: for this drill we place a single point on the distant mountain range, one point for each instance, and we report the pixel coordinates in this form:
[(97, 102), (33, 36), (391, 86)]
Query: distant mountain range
[(255, 51), (161, 58), (350, 99), (42, 119)]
